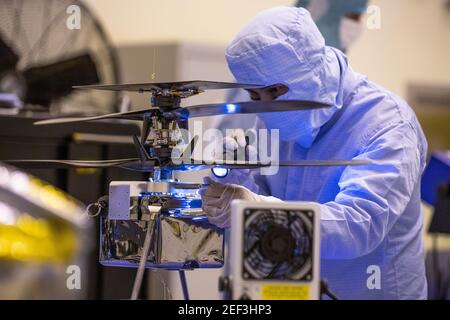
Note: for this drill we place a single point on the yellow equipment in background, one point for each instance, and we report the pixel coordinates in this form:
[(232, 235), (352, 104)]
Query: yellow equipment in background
[(42, 239)]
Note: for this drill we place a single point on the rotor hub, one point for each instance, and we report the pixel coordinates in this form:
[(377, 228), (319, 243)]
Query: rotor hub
[(166, 102)]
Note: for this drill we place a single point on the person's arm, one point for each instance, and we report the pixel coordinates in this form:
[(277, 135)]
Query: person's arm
[(372, 197)]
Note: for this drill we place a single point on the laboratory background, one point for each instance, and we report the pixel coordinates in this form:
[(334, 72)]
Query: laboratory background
[(84, 230)]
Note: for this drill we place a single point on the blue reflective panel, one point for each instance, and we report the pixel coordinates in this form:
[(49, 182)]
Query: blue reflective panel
[(220, 172)]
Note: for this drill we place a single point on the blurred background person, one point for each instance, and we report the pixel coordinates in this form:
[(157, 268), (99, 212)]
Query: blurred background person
[(339, 21)]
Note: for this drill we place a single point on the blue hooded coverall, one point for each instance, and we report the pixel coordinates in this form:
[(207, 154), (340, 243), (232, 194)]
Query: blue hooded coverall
[(371, 216)]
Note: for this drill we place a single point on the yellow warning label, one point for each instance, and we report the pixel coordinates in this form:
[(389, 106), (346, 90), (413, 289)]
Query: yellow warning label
[(284, 292)]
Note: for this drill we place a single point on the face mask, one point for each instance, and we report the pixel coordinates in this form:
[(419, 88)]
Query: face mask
[(301, 126), (350, 31)]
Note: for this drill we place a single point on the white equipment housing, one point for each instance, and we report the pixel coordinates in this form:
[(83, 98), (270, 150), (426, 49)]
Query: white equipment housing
[(274, 251)]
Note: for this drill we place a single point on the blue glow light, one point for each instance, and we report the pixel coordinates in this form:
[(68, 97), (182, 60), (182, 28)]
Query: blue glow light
[(201, 218), (230, 108), (220, 172)]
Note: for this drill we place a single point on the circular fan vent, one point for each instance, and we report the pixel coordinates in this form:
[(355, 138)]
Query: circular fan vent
[(278, 244)]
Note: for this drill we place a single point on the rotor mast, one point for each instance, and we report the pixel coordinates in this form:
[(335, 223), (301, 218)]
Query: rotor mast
[(160, 130)]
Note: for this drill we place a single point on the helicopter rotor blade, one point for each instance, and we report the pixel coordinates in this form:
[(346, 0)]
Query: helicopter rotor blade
[(179, 85), (193, 164), (249, 107), (130, 115), (63, 164), (252, 107), (299, 163), (133, 164), (136, 164)]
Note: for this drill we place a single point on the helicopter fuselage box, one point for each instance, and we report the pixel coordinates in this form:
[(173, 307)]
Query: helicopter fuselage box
[(182, 236)]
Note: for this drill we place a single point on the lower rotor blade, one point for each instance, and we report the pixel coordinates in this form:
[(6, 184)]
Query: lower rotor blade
[(191, 164), (62, 164)]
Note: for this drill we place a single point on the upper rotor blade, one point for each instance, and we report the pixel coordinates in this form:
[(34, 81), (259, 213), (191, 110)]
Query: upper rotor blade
[(61, 164), (179, 85), (130, 115), (252, 107)]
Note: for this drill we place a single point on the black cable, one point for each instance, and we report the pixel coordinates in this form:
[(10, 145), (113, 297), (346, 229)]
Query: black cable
[(324, 289), (436, 269), (184, 286)]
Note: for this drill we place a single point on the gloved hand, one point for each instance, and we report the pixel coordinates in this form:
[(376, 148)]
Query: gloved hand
[(217, 197), (234, 141)]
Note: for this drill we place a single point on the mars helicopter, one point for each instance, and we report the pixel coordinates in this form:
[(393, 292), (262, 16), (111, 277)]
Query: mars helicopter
[(165, 116), (160, 223)]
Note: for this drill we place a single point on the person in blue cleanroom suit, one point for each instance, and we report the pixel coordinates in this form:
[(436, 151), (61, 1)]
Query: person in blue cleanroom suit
[(371, 217)]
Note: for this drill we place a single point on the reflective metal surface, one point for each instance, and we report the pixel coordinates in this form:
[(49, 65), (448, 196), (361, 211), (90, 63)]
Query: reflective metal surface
[(182, 237), (178, 243)]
